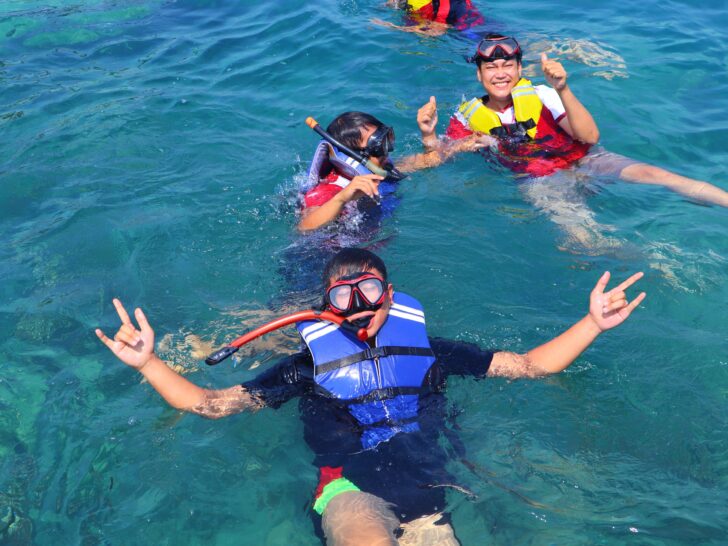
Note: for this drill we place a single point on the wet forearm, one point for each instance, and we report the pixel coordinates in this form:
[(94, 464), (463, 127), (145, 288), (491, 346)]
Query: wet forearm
[(417, 162), (315, 217), (184, 395), (175, 389), (221, 403), (558, 354), (583, 126)]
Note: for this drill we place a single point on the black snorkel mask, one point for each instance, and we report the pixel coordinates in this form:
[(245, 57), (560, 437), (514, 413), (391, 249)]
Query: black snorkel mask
[(375, 146), (380, 143)]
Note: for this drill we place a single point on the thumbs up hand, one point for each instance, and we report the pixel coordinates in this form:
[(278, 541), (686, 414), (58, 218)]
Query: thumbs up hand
[(427, 117), (554, 72)]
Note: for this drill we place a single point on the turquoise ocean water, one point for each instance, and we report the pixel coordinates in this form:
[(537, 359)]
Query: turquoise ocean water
[(151, 150)]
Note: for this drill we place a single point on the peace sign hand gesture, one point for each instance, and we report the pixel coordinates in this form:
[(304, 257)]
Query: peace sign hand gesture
[(610, 309), (133, 347)]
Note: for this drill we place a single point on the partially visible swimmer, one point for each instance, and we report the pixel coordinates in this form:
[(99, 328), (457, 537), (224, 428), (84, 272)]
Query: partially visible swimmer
[(435, 17), (374, 412), (336, 179), (538, 130)]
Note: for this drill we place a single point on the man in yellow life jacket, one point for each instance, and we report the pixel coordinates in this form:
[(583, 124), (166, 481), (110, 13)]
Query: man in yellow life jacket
[(537, 130)]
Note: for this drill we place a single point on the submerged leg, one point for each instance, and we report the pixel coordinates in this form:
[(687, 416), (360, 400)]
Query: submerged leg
[(561, 198), (428, 531), (355, 518), (642, 173)]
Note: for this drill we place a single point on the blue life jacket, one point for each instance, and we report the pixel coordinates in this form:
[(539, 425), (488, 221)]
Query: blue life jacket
[(327, 157), (380, 385)]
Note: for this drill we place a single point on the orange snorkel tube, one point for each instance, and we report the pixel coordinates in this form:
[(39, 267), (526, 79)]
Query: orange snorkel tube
[(232, 348)]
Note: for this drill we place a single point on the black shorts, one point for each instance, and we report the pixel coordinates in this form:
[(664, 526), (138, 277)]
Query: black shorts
[(408, 472)]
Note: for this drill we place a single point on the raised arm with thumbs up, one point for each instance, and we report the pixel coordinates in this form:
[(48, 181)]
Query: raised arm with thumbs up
[(578, 122), (427, 122)]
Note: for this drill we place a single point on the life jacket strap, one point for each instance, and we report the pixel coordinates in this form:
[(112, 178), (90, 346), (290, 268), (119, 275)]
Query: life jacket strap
[(370, 353), (520, 128), (386, 393), (389, 422)]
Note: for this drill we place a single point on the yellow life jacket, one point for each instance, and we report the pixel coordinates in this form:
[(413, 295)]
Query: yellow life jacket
[(417, 4), (526, 103)]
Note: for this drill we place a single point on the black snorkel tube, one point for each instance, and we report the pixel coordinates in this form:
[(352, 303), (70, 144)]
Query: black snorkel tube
[(391, 172), (221, 354)]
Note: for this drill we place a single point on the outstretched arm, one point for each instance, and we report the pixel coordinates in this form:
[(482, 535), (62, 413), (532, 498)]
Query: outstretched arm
[(431, 28), (606, 310), (578, 122), (437, 151), (135, 348)]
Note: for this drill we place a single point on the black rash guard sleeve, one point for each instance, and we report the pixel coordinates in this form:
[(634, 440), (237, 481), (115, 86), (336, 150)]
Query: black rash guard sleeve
[(291, 377), (461, 358)]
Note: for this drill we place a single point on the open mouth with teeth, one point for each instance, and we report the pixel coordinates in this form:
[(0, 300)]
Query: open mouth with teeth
[(501, 84)]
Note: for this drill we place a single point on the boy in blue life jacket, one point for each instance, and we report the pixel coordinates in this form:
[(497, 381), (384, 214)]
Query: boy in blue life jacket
[(373, 411)]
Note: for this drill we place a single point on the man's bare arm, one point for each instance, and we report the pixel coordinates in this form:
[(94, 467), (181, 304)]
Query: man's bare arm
[(607, 309), (135, 348), (442, 151), (221, 403)]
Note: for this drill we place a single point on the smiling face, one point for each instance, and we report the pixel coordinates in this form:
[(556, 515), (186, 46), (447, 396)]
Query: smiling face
[(499, 77)]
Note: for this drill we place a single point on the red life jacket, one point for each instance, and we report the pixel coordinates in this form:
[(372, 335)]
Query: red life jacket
[(459, 13), (552, 149)]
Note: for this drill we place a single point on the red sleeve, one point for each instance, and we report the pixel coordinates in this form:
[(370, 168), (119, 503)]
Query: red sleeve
[(321, 194), (456, 130)]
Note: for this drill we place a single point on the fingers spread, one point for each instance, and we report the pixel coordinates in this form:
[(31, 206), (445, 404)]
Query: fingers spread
[(635, 303), (123, 315), (142, 320), (629, 282), (105, 340), (601, 283)]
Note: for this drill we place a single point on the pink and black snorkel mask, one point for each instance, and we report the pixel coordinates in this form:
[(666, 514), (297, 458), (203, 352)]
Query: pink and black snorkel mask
[(495, 47), (362, 291)]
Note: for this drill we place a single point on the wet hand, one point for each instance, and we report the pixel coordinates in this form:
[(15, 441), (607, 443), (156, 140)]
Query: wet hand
[(134, 347), (382, 23), (610, 309), (554, 72), (360, 186), (475, 142), (427, 118)]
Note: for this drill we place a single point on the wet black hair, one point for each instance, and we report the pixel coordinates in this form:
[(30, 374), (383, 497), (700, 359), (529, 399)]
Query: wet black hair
[(495, 36), (347, 128), (352, 260)]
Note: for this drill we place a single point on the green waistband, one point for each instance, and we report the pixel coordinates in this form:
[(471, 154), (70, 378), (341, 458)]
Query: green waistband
[(339, 485)]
